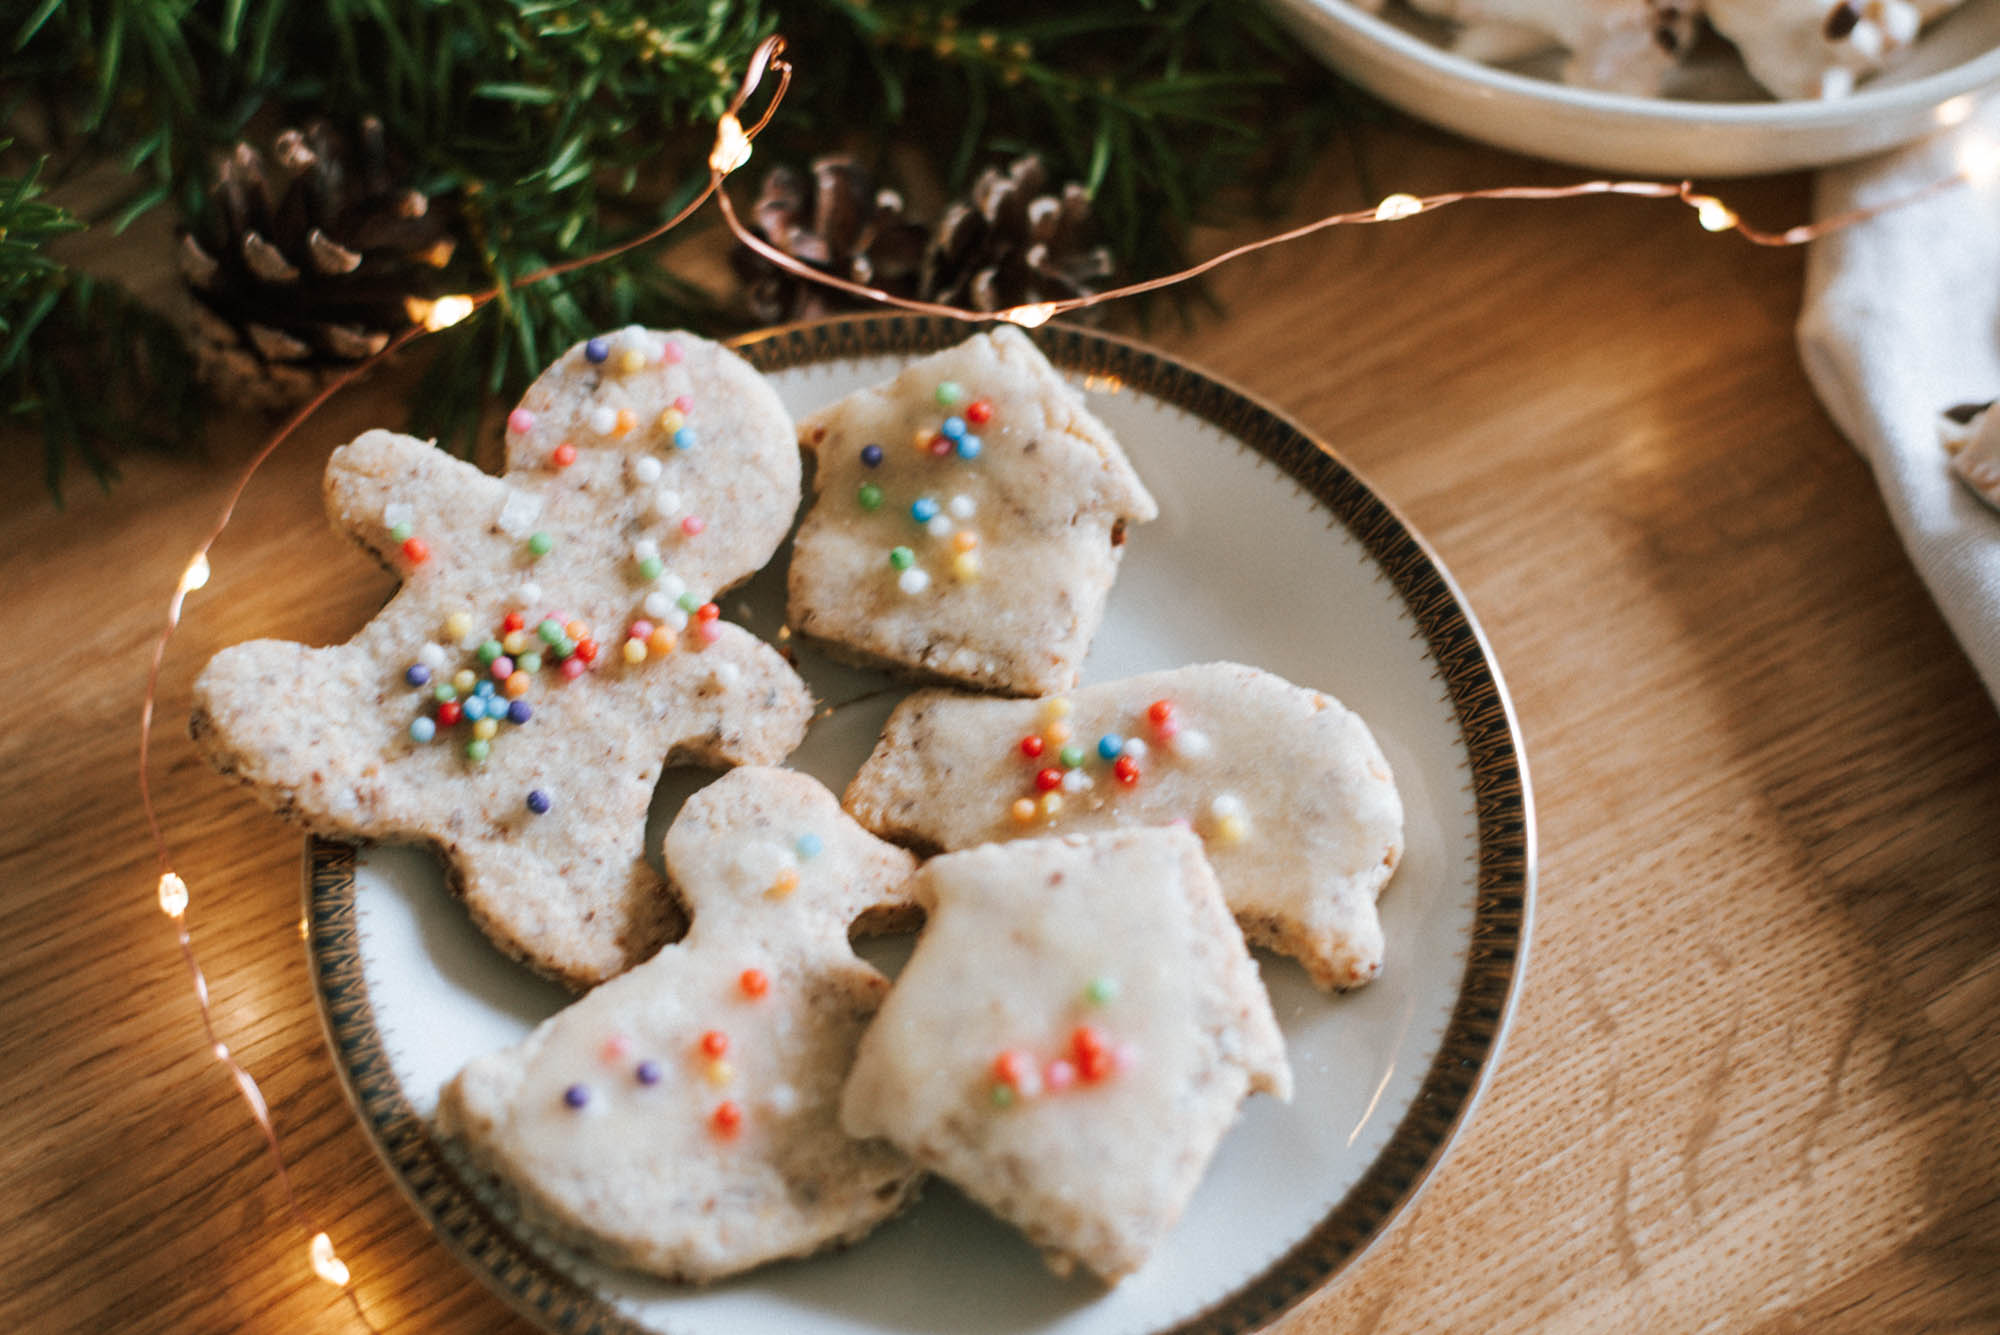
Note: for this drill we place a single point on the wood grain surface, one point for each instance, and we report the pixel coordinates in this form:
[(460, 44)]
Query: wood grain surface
[(1754, 1081)]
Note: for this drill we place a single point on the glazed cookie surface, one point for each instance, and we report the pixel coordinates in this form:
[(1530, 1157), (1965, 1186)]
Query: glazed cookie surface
[(967, 522), (682, 1118), (1286, 787), (1071, 1038), (554, 641)]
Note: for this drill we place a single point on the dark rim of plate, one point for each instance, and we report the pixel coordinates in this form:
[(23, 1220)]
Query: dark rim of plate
[(461, 1214)]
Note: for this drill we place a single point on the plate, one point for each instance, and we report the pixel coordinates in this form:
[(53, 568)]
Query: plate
[(1268, 551), (1402, 63)]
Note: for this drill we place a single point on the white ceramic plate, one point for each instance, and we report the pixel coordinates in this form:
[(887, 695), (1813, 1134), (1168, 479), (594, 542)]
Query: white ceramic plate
[(1957, 59), (1267, 551)]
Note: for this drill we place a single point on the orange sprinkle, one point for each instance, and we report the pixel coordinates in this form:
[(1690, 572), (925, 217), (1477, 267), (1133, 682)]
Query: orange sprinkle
[(728, 1119), (624, 423), (516, 686), (788, 881), (661, 641), (965, 540)]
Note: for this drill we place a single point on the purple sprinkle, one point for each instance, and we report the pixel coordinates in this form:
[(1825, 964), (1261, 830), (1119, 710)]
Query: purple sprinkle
[(648, 1072), (576, 1096), (596, 350), (519, 712), (538, 802), (416, 674), (871, 455)]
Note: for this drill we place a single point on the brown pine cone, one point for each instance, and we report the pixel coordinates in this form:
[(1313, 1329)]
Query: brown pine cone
[(1012, 243), (841, 225)]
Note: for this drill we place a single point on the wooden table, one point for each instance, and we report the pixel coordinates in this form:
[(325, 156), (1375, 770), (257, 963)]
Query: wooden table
[(1752, 1084)]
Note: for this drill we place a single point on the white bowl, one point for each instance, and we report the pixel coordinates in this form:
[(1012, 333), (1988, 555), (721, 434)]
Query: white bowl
[(1956, 60)]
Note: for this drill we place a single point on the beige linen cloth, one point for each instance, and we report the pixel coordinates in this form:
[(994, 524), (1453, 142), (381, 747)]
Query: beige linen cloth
[(1902, 321)]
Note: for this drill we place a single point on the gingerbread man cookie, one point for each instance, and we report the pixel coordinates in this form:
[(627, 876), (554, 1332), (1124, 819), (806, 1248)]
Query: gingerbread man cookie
[(967, 522), (1286, 786), (555, 640), (682, 1118), (1071, 1038)]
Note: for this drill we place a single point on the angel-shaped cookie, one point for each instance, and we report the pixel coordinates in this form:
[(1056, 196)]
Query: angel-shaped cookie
[(682, 1119), (1286, 786), (554, 641)]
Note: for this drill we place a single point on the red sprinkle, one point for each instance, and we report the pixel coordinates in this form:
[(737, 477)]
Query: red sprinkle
[(728, 1119), (1013, 1068), (513, 621), (693, 525), (979, 412), (563, 455), (572, 668), (683, 404), (1095, 1065), (1159, 711), (753, 982), (586, 649), (1127, 770), (941, 445), (1031, 746), (1048, 780), (708, 612), (1086, 1039), (416, 551), (714, 1043), (448, 713)]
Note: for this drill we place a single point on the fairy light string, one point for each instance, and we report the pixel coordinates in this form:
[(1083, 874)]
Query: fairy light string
[(1979, 164)]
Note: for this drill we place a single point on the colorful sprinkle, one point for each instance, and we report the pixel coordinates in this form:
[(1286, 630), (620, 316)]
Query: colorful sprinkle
[(953, 427), (518, 685), (503, 668), (528, 662), (940, 445), (753, 983), (949, 392), (1110, 745), (1016, 1069), (979, 412), (1048, 780), (478, 749), (623, 423), (962, 507), (718, 1073), (966, 566), (400, 532), (964, 540), (602, 419), (448, 713), (647, 1072), (422, 730), (596, 350), (1101, 991), (1058, 1075), (464, 680), (651, 567), (785, 882), (913, 582), (693, 525), (1052, 805), (924, 509), (572, 669), (1071, 757), (630, 360), (520, 421), (968, 447), (646, 469), (577, 1096), (727, 1119), (538, 802), (685, 438), (1023, 809), (416, 551), (714, 1043), (809, 846), (901, 558), (520, 711), (683, 404), (670, 352), (1126, 769), (871, 456), (633, 650), (563, 455), (475, 707), (1056, 731), (1031, 746), (416, 674), (870, 496), (661, 641), (1003, 1096)]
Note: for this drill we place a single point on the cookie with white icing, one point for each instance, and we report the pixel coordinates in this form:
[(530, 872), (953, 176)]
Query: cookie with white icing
[(683, 1119), (1286, 786), (967, 522), (554, 640), (1072, 1036), (1821, 48)]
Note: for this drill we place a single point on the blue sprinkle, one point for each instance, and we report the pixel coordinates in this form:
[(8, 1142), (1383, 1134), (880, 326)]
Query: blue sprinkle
[(483, 688), (685, 438), (1109, 745), (475, 707), (519, 712), (596, 350), (538, 802), (576, 1096), (417, 674), (871, 455), (648, 1072), (954, 427), (924, 510), (968, 447), (422, 730), (809, 846)]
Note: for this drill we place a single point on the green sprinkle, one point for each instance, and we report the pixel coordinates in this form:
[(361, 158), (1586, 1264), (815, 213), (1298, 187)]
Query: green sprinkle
[(540, 543), (550, 630), (902, 558), (1003, 1095), (444, 692), (401, 533), (529, 662), (651, 567), (1071, 757), (870, 496), (478, 749), (563, 648), (489, 651), (1101, 991), (688, 602), (949, 392)]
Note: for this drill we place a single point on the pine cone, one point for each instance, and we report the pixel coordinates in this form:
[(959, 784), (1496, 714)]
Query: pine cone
[(845, 227), (1012, 244), (290, 290)]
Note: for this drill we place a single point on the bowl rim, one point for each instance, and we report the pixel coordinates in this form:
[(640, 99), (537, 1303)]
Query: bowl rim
[(1969, 76)]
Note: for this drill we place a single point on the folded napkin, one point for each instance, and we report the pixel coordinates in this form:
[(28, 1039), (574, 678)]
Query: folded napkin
[(1902, 322)]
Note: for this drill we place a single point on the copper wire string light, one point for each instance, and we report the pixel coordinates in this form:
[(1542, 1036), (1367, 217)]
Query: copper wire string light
[(732, 149)]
